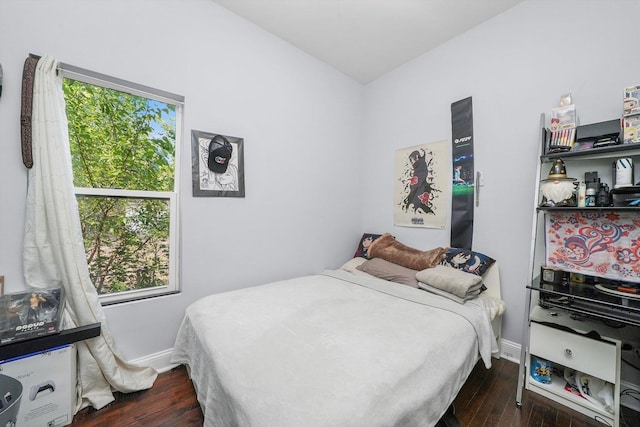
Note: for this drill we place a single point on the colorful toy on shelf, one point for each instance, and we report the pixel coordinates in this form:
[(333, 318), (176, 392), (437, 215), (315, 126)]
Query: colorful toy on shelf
[(631, 114), (558, 189), (541, 370)]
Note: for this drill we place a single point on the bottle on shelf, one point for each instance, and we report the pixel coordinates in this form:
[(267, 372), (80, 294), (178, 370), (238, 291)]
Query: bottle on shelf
[(602, 196), (590, 196), (582, 194)]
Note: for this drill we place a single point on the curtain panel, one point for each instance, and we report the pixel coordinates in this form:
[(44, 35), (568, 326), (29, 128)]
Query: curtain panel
[(54, 254)]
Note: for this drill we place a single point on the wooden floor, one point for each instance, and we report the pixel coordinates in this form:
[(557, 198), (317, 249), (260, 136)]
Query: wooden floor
[(487, 399), (171, 402)]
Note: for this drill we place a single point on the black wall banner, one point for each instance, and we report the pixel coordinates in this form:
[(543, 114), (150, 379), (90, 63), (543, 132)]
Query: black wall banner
[(463, 174)]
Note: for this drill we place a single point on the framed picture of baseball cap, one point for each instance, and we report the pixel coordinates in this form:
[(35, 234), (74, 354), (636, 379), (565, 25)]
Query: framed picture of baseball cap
[(217, 163)]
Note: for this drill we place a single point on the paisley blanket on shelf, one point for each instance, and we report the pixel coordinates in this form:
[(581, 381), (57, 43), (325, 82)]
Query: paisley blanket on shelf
[(603, 243)]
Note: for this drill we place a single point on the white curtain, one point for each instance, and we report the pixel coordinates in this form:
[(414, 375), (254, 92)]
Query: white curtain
[(54, 249)]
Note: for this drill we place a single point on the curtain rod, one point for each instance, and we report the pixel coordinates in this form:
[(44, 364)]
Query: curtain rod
[(114, 82)]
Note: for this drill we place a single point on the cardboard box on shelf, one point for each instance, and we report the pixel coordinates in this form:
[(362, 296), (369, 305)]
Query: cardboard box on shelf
[(30, 314), (48, 388)]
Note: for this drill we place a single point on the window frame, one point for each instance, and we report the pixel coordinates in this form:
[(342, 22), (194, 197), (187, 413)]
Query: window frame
[(173, 197)]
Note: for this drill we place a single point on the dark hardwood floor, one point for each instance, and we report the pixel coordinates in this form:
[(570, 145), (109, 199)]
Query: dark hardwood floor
[(486, 399), (170, 402)]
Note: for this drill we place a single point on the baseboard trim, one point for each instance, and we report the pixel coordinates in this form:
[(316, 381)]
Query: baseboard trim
[(159, 361), (510, 350)]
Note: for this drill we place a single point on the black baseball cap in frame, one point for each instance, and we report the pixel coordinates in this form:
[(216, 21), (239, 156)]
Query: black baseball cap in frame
[(220, 150)]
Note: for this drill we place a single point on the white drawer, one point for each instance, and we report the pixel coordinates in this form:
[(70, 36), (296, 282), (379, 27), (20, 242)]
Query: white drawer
[(593, 357)]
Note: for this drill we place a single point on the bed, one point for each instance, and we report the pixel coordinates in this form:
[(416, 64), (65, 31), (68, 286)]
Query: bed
[(340, 348)]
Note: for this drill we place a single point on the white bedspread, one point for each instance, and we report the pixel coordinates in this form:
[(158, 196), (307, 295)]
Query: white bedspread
[(330, 350)]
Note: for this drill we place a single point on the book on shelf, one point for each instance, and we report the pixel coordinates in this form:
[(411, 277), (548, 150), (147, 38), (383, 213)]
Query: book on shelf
[(561, 139)]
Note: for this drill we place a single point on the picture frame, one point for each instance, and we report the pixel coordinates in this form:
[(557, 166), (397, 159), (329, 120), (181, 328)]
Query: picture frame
[(224, 175)]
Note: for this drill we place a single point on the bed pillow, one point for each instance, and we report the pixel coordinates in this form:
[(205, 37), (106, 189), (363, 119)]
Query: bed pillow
[(467, 260), (389, 249), (445, 294), (364, 243), (389, 271), (451, 280), (352, 265)]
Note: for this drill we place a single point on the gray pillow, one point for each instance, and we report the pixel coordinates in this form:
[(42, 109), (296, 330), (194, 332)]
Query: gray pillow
[(386, 270)]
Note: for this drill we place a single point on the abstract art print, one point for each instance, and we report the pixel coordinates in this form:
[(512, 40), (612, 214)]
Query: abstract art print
[(600, 243), (217, 164), (421, 176)]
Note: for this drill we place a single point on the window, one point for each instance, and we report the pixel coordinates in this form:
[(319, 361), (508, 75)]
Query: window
[(124, 142)]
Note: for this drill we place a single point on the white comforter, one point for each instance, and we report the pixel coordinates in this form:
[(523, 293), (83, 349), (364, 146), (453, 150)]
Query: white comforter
[(330, 350)]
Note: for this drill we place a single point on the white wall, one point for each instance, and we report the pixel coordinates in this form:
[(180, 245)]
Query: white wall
[(319, 147), (300, 120), (515, 67)]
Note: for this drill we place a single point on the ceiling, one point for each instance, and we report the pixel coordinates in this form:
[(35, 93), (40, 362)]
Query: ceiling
[(365, 39)]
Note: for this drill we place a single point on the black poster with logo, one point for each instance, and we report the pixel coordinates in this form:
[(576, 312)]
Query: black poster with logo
[(463, 174)]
